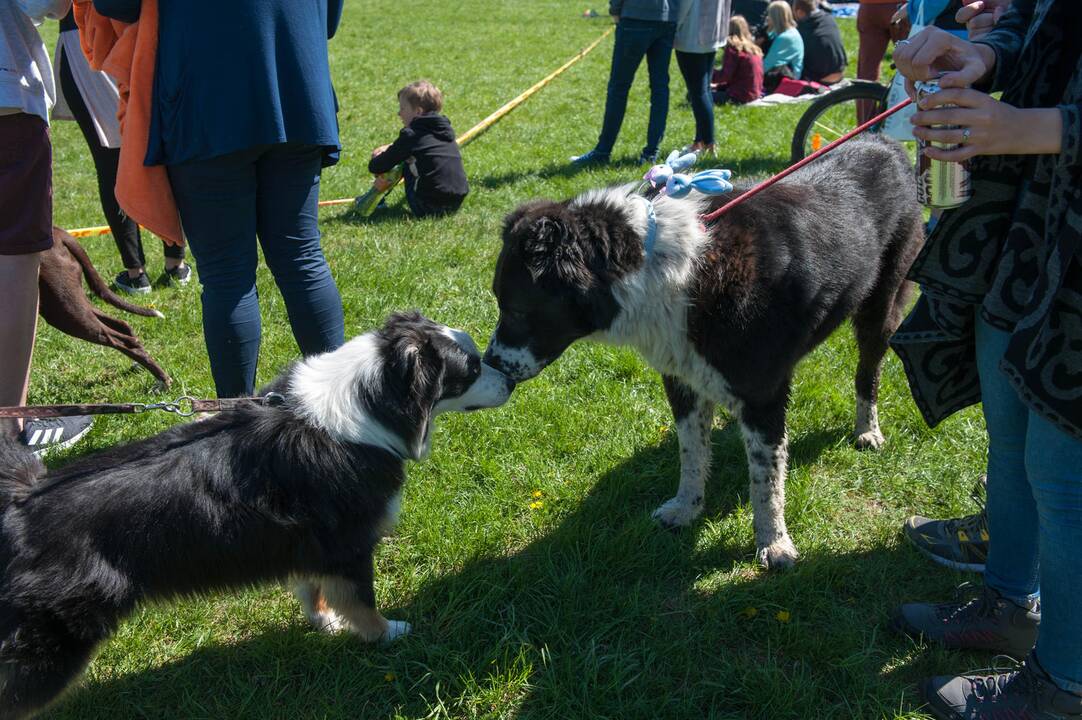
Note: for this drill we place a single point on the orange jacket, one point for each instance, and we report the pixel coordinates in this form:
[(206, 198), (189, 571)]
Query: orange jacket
[(129, 52)]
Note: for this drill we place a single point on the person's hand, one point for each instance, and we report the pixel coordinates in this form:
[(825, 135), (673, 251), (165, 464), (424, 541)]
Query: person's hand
[(900, 25), (381, 183), (934, 53), (980, 16), (380, 150), (986, 126)]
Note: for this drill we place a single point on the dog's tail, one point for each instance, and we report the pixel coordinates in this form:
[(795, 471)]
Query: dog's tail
[(98, 285), (20, 469)]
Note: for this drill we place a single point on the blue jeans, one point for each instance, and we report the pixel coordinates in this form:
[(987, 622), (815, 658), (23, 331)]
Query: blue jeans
[(269, 191), (697, 69), (1034, 512), (636, 39)]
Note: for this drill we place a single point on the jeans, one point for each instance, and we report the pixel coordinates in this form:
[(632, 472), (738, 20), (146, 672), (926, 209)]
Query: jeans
[(269, 191), (1034, 512), (697, 69), (634, 40)]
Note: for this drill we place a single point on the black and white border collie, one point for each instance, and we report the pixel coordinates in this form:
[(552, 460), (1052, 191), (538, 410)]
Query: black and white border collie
[(299, 492), (723, 313)]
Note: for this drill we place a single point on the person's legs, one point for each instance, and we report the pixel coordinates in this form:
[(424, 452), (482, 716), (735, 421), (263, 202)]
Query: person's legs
[(125, 230), (632, 40), (658, 54), (217, 200), (696, 69), (288, 227), (26, 195), (18, 323), (1054, 467), (1013, 559), (1007, 616), (873, 27)]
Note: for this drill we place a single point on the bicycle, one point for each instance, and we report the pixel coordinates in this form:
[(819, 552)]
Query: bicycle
[(835, 113)]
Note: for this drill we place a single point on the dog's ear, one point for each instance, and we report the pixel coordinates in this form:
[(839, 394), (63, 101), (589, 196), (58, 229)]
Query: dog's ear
[(425, 370), (552, 250)]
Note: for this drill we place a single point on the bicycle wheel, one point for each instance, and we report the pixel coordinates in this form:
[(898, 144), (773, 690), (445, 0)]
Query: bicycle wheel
[(834, 114)]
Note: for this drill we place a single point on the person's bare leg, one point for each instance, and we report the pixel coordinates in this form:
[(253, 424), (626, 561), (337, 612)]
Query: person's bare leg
[(18, 323)]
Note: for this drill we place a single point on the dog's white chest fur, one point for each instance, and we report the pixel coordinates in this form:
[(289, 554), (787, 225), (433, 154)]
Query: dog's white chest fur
[(654, 300)]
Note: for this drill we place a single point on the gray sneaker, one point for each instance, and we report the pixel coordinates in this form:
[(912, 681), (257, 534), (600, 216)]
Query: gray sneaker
[(987, 622), (1026, 693), (958, 543)]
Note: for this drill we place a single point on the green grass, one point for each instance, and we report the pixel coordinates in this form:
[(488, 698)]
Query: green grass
[(583, 607)]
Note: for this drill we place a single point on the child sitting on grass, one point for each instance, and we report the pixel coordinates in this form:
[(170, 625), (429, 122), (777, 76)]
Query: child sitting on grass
[(433, 173)]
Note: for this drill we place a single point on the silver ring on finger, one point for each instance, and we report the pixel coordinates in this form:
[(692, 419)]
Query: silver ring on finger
[(965, 135)]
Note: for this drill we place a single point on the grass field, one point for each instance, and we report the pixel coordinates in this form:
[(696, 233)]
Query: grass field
[(577, 606)]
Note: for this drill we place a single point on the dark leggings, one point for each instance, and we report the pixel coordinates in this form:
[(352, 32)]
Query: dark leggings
[(696, 69), (125, 230)]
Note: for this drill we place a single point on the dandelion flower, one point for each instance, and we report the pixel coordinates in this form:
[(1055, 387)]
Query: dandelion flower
[(537, 494), (749, 612), (389, 677), (783, 616), (537, 505)]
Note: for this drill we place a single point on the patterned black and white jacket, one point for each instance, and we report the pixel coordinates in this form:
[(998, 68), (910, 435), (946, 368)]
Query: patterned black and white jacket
[(1013, 252)]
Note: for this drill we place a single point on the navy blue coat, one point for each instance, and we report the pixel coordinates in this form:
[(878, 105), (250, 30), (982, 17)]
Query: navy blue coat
[(237, 74)]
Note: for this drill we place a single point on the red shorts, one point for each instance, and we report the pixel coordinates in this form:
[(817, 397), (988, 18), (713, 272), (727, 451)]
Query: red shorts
[(26, 185)]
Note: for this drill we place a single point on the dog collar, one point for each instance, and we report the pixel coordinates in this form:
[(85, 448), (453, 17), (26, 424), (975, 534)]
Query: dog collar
[(651, 227)]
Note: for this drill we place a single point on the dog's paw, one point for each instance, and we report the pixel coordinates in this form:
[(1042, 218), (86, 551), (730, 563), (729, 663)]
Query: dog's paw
[(329, 622), (778, 554), (871, 440), (677, 512), (395, 630)]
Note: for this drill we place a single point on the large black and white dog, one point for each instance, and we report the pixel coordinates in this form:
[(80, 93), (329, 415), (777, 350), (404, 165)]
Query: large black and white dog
[(723, 313), (302, 491)]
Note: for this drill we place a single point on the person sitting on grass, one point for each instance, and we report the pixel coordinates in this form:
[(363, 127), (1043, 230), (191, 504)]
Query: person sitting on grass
[(785, 58), (740, 79), (824, 53), (434, 176)]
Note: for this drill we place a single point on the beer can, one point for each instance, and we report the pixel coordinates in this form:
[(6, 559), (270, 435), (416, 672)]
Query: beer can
[(940, 184)]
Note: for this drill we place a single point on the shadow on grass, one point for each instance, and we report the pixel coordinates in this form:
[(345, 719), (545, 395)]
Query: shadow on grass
[(603, 615), (395, 211)]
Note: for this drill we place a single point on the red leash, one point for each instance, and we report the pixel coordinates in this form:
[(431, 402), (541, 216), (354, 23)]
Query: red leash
[(796, 166)]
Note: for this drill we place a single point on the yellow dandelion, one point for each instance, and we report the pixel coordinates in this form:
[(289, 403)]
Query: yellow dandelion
[(537, 494), (537, 505), (783, 616), (749, 612), (389, 677)]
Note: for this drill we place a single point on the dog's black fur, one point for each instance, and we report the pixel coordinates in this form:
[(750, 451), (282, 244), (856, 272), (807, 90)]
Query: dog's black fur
[(251, 495), (774, 277)]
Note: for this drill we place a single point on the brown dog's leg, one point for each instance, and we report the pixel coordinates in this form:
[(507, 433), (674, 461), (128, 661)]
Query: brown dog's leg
[(64, 305), (98, 285)]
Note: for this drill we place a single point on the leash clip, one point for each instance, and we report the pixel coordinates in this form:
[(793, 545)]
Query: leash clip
[(184, 406), (273, 399)]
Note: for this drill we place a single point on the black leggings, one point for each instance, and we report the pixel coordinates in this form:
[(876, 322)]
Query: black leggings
[(125, 230)]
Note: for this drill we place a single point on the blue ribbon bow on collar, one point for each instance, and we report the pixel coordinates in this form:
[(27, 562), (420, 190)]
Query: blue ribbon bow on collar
[(668, 179)]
